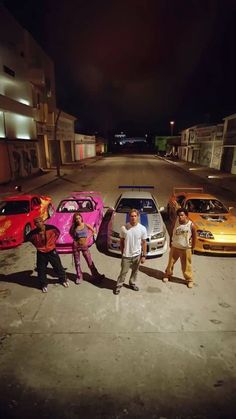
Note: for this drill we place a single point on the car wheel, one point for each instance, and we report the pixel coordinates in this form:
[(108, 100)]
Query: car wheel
[(27, 229), (50, 210)]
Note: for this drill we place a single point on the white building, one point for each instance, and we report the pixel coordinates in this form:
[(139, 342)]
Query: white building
[(27, 101)]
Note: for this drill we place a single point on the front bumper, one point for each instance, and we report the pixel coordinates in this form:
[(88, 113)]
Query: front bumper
[(9, 244), (215, 246)]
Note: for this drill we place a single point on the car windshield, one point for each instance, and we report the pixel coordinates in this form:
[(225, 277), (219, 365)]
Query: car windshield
[(14, 207), (142, 205), (206, 206), (77, 205)]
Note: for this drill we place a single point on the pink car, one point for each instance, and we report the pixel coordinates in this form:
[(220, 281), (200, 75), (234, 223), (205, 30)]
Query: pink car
[(89, 204)]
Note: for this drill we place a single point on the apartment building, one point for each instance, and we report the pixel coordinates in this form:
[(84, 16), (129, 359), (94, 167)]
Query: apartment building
[(27, 101)]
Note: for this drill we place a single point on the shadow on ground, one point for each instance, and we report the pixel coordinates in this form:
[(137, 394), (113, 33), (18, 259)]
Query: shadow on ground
[(155, 273)]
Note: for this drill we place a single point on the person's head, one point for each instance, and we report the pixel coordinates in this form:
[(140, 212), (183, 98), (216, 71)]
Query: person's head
[(182, 214), (38, 222), (133, 216), (77, 218)]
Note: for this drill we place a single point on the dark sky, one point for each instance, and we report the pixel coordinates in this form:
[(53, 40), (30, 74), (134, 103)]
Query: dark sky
[(133, 65)]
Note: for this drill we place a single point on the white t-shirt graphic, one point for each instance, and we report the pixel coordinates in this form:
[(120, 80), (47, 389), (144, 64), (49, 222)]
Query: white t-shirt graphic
[(182, 235), (133, 236)]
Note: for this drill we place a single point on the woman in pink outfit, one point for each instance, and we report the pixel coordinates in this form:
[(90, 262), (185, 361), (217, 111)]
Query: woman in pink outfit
[(81, 233)]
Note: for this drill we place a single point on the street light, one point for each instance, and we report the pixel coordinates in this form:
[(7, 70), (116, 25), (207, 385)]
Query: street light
[(172, 123)]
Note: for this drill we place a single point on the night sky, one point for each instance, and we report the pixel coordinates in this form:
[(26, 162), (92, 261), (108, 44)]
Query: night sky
[(134, 65)]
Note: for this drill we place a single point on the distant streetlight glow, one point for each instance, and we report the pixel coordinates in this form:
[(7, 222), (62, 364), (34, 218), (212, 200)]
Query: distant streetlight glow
[(172, 123)]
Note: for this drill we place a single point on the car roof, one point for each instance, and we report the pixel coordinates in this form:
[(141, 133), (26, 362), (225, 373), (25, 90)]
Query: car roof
[(137, 194), (76, 197), (198, 196), (18, 197)]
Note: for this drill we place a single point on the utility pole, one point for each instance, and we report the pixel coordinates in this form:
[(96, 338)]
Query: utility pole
[(57, 143)]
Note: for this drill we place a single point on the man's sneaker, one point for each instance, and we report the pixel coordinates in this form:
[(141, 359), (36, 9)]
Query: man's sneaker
[(134, 287), (45, 289), (190, 284), (165, 279), (116, 291)]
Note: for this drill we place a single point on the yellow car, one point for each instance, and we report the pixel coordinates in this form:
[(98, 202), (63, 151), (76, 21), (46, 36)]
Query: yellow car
[(215, 224)]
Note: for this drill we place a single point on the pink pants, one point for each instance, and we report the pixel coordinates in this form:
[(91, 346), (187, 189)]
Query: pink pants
[(87, 256)]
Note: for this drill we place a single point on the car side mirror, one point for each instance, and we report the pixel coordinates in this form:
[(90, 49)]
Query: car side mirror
[(231, 208), (161, 209)]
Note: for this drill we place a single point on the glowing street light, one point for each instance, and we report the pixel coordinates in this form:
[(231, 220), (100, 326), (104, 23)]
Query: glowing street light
[(172, 123)]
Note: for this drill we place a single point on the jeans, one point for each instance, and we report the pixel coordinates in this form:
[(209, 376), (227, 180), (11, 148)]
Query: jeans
[(87, 256), (42, 262), (126, 264)]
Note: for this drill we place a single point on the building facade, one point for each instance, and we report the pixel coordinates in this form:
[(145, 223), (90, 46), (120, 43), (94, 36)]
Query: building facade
[(85, 146), (228, 163), (202, 144), (27, 101)]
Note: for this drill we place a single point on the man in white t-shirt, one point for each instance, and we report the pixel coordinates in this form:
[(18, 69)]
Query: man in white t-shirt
[(133, 247), (182, 243)]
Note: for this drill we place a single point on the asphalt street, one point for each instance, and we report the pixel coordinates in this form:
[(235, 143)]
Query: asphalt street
[(163, 352)]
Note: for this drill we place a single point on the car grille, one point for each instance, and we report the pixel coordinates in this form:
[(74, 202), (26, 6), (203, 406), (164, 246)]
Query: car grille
[(219, 248)]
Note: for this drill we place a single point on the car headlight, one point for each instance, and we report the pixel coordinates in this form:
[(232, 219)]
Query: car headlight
[(205, 234), (158, 236), (115, 234)]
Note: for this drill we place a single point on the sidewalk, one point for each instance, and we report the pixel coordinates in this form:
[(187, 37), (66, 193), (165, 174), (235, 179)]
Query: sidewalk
[(223, 180), (44, 177)]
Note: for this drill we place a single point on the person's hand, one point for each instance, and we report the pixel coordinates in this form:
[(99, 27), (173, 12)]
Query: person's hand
[(142, 259)]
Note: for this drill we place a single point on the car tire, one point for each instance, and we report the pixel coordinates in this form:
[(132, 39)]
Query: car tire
[(27, 229), (50, 210)]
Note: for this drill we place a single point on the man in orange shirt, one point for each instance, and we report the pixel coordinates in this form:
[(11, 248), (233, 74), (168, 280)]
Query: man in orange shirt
[(44, 238)]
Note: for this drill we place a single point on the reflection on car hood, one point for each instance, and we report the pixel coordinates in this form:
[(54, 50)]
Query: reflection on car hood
[(216, 223), (63, 222), (152, 222)]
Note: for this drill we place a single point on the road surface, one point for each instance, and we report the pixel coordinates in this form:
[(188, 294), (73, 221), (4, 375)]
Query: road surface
[(163, 352)]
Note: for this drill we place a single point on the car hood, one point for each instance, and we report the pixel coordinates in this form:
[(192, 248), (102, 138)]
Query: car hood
[(11, 225), (216, 223), (152, 222), (63, 222)]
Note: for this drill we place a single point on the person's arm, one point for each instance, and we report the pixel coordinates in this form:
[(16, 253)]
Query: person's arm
[(122, 245), (171, 232), (144, 250), (194, 236), (91, 229), (55, 230)]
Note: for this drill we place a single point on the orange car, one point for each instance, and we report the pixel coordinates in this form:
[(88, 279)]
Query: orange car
[(215, 224)]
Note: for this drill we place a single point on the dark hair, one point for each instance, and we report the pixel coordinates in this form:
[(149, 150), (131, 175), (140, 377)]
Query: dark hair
[(74, 223), (184, 210)]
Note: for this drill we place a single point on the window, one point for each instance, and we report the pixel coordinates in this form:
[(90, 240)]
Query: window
[(9, 71)]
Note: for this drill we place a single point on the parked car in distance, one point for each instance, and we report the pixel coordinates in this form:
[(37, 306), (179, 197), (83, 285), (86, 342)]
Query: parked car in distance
[(89, 204), (215, 224), (17, 215), (150, 217)]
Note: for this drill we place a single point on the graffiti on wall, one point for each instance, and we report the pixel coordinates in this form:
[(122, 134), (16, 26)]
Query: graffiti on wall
[(24, 159), (205, 155)]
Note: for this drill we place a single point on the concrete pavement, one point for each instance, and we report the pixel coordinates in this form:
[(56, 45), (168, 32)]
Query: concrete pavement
[(217, 178), (45, 177)]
